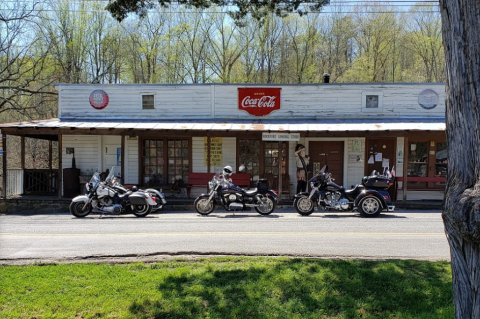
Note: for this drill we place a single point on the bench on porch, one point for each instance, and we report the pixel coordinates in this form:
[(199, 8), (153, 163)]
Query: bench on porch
[(202, 179)]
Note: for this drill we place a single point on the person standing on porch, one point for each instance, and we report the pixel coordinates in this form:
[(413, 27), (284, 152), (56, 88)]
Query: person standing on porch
[(302, 171)]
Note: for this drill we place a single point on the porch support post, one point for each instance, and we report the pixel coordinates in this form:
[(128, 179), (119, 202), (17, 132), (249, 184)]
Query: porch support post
[(50, 154), (280, 168), (22, 152), (122, 159), (60, 164), (405, 168), (208, 157), (4, 168)]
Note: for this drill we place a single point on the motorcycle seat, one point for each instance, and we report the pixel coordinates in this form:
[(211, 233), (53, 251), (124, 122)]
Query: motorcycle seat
[(251, 192), (124, 196), (356, 190)]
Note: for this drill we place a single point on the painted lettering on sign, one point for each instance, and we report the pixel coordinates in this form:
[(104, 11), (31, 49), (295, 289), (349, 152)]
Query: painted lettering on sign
[(259, 101), (280, 136), (99, 99), (216, 147)]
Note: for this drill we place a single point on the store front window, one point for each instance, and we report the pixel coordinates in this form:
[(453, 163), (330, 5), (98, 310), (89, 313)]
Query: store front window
[(427, 164), (165, 161), (261, 160)]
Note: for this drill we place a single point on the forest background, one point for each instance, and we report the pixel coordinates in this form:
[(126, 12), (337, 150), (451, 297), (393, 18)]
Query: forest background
[(44, 42)]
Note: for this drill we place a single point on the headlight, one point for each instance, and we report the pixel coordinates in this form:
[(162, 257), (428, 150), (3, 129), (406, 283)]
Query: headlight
[(211, 185), (87, 187), (312, 185)]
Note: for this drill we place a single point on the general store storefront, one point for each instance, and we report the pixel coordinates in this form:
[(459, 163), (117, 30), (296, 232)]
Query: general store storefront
[(157, 134)]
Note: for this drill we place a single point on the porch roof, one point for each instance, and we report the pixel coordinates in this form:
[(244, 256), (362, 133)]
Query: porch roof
[(232, 125)]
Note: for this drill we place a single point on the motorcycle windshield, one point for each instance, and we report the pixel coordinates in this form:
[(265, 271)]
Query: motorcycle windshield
[(110, 174), (95, 180), (319, 174)]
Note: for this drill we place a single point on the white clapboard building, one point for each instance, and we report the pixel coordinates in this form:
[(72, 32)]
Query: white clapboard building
[(156, 134)]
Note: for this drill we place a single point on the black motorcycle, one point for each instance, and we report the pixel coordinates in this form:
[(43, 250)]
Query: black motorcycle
[(232, 198), (370, 198)]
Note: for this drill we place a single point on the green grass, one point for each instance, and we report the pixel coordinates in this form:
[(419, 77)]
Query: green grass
[(244, 287)]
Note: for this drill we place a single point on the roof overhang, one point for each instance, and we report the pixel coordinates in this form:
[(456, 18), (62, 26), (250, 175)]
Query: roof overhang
[(58, 126)]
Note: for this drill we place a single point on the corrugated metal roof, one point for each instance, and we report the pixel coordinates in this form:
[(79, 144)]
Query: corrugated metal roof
[(341, 125)]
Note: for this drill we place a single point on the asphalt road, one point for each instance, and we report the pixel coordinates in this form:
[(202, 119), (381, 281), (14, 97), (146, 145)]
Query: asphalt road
[(404, 234)]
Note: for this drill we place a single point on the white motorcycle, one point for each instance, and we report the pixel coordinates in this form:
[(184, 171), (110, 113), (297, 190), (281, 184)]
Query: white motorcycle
[(102, 198)]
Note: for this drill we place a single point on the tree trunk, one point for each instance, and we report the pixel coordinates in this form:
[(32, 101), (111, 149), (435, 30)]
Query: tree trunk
[(461, 215)]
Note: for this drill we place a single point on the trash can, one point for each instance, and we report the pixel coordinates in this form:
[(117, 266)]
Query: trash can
[(71, 182)]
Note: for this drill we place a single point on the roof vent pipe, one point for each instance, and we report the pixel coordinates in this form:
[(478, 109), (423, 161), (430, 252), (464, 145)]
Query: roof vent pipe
[(326, 78)]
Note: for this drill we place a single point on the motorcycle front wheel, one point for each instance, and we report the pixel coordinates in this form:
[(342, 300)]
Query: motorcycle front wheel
[(203, 206), (370, 206), (141, 210), (267, 207), (303, 205), (76, 208)]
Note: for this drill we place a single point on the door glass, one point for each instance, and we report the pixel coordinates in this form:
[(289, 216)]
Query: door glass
[(178, 160), (249, 156), (272, 159)]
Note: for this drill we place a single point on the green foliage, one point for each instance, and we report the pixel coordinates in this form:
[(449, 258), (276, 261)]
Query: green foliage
[(259, 10), (229, 288)]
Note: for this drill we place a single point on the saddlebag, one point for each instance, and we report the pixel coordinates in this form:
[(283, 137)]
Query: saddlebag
[(137, 199), (376, 181), (262, 185)]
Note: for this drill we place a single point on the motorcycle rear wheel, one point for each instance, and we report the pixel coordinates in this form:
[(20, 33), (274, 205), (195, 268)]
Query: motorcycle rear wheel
[(370, 206), (203, 206), (303, 205), (141, 210), (76, 208), (267, 208)]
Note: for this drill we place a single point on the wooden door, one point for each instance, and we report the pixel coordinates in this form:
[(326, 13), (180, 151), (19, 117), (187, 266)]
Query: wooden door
[(327, 153), (380, 152)]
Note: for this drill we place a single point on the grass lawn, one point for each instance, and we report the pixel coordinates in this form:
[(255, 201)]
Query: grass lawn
[(229, 287)]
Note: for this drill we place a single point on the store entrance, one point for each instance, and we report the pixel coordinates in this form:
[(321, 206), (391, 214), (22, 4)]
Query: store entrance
[(327, 153)]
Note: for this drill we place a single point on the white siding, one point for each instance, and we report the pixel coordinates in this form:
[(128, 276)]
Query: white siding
[(87, 152), (354, 170), (131, 161), (110, 146), (205, 101)]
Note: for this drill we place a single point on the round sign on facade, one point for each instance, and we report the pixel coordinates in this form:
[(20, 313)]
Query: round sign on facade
[(99, 99), (428, 99)]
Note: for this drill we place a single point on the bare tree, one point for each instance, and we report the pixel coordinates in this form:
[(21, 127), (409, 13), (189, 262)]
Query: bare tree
[(25, 85)]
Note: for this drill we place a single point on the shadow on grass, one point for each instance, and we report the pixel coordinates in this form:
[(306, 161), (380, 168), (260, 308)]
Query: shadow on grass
[(303, 288)]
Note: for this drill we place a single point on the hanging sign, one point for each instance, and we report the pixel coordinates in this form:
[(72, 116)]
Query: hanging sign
[(280, 136), (215, 151), (259, 101)]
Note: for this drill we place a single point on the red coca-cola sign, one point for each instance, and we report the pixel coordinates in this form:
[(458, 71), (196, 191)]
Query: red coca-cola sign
[(259, 101)]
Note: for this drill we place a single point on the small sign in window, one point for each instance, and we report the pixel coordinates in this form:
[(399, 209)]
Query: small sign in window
[(371, 102), (148, 102)]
